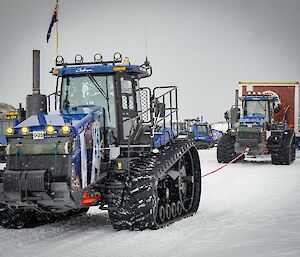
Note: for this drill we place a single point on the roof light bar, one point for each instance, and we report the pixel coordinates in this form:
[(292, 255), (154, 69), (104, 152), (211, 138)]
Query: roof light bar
[(98, 59)]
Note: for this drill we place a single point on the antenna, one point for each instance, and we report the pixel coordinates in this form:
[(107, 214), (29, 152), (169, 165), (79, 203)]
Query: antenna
[(146, 41)]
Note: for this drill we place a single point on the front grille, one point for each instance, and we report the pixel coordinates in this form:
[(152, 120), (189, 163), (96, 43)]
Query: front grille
[(11, 181), (56, 164), (38, 181), (24, 181), (250, 136)]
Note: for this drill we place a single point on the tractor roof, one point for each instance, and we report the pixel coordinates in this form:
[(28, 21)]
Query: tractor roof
[(258, 98), (98, 69), (101, 67)]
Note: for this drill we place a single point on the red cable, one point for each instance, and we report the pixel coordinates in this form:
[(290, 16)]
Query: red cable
[(239, 156)]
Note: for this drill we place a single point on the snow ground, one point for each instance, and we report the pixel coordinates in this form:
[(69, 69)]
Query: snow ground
[(247, 209)]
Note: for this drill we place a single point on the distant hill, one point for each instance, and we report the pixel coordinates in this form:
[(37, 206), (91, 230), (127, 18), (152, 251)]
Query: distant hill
[(5, 108)]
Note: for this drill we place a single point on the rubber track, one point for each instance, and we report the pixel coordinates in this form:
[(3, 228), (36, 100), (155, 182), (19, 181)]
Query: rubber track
[(286, 153), (138, 208)]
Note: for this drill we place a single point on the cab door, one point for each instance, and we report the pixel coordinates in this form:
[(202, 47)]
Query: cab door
[(127, 105)]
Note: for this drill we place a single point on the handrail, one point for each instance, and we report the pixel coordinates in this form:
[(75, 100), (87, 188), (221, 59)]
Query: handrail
[(155, 118)]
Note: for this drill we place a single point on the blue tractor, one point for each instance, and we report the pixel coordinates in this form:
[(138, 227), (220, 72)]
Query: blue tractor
[(261, 127), (106, 145), (202, 133)]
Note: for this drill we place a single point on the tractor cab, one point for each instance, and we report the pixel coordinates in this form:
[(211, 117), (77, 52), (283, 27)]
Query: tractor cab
[(258, 110), (112, 86), (201, 133), (203, 129)]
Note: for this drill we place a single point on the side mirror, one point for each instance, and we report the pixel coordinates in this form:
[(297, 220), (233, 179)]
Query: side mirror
[(226, 115), (277, 109), (238, 115)]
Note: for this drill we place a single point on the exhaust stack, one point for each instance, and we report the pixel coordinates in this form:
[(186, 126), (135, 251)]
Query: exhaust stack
[(236, 103), (36, 103)]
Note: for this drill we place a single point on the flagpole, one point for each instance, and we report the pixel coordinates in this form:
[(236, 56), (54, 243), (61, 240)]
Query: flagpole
[(57, 28)]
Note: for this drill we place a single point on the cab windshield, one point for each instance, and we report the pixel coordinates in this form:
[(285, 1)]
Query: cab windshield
[(83, 94), (256, 108), (202, 129)]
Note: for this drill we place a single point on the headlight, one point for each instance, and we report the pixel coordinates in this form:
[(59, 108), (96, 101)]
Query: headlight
[(25, 130), (65, 129), (50, 130), (10, 131)]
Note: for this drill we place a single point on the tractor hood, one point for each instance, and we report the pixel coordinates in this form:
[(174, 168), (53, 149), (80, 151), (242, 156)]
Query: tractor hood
[(255, 121), (203, 138), (77, 122)]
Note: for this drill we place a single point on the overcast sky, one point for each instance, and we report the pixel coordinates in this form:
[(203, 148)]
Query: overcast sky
[(203, 47)]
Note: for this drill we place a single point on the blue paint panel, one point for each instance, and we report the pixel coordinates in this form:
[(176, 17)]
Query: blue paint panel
[(3, 140), (163, 139), (201, 137), (42, 120), (76, 121), (217, 133), (204, 138), (97, 69), (253, 119)]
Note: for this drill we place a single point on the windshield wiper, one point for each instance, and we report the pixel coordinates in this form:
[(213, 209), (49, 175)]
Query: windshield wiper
[(261, 105), (96, 84)]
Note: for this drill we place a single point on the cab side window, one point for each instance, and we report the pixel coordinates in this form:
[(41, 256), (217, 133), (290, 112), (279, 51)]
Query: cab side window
[(127, 95)]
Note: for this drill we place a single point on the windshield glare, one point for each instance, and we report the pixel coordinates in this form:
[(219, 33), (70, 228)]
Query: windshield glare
[(83, 94), (256, 108)]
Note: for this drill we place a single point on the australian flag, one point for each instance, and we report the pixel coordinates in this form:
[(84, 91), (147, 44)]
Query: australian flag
[(53, 20)]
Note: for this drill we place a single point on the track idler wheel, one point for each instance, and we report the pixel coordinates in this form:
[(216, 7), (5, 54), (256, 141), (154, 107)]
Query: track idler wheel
[(179, 208), (186, 182), (173, 210), (162, 213), (168, 211)]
